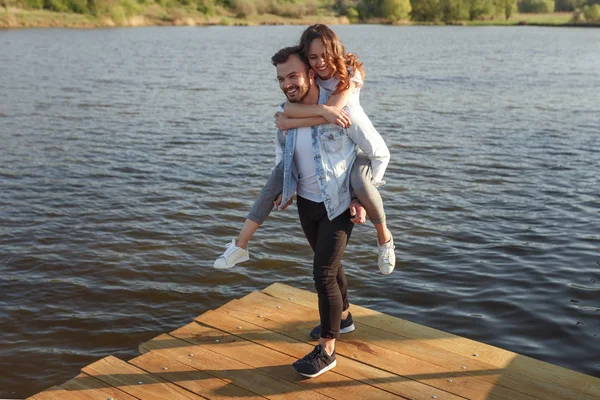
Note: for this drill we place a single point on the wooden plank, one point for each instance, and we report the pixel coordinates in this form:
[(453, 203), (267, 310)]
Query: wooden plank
[(562, 382), (332, 384), (470, 366), (85, 385), (365, 374), (288, 319), (422, 350), (58, 393), (161, 365), (239, 373), (134, 381)]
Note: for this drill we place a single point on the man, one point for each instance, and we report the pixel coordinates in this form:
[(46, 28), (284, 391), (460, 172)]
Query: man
[(317, 163)]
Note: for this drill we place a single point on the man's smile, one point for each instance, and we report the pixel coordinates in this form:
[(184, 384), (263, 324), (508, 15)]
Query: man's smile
[(291, 91)]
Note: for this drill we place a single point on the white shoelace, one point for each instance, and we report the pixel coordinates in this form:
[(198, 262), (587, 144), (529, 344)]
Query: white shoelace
[(387, 251), (230, 249)]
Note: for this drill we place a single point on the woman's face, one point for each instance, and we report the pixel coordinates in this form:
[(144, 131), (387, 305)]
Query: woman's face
[(317, 59)]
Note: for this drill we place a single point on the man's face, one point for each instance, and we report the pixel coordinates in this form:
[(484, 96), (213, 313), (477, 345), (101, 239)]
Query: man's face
[(294, 79)]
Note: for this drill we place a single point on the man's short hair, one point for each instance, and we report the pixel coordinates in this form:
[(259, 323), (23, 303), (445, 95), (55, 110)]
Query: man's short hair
[(282, 55)]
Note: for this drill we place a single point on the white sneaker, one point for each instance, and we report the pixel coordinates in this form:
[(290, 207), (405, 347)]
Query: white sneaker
[(387, 257), (233, 255)]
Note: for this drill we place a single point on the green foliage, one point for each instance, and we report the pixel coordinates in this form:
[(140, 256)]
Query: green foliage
[(343, 6), (446, 11), (292, 9), (117, 14), (536, 6), (592, 14), (352, 15), (452, 11), (396, 10), (578, 17), (509, 8), (165, 3), (73, 6), (55, 5), (131, 7), (478, 8), (369, 9), (77, 6), (568, 5), (207, 7), (504, 7), (35, 4), (246, 8), (243, 8), (426, 10), (98, 7)]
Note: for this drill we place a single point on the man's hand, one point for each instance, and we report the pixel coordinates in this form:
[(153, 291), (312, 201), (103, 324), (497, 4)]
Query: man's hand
[(336, 115), (357, 211), (281, 121), (277, 202)]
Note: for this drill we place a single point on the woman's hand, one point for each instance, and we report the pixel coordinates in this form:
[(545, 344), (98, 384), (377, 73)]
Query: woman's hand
[(357, 212), (277, 202), (281, 121), (336, 115)]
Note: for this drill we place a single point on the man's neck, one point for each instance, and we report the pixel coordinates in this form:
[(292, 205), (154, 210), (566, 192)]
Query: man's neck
[(312, 97)]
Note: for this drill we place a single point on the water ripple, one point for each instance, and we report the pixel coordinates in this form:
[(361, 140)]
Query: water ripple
[(121, 186)]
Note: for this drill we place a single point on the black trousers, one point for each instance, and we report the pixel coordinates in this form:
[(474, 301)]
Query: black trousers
[(328, 240)]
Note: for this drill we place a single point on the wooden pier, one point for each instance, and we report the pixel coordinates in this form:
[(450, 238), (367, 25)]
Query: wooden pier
[(245, 349)]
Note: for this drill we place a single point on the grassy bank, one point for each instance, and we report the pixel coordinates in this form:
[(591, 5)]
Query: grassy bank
[(157, 16), (552, 19), (150, 16)]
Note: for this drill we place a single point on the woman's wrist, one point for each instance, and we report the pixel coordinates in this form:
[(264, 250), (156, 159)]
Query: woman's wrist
[(323, 110)]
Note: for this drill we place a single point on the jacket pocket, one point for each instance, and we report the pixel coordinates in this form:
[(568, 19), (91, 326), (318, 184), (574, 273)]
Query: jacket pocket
[(333, 140)]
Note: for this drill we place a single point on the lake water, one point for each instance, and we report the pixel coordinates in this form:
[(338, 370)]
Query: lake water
[(130, 157)]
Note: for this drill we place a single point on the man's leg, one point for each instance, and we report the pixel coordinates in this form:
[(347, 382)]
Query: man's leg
[(328, 240), (329, 276), (310, 215)]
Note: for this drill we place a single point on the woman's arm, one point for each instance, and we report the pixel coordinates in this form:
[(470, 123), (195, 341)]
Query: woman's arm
[(332, 111), (364, 134), (284, 123)]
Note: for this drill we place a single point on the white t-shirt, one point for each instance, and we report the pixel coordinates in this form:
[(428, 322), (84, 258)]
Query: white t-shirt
[(308, 185)]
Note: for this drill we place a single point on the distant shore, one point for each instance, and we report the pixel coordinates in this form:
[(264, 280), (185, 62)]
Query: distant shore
[(20, 18)]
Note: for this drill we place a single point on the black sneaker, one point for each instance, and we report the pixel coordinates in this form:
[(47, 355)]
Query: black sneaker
[(315, 363), (346, 326)]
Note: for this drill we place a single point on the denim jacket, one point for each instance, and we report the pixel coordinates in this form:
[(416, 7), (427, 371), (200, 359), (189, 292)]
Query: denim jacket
[(334, 152)]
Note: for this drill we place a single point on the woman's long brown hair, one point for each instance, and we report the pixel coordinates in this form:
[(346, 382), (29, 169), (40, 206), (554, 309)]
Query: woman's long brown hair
[(335, 54)]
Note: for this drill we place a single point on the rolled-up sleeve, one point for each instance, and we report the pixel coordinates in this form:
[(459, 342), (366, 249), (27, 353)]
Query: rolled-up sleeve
[(278, 148)]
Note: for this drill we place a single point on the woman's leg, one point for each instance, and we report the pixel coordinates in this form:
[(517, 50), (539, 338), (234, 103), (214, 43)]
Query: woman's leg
[(236, 251), (262, 206), (361, 180)]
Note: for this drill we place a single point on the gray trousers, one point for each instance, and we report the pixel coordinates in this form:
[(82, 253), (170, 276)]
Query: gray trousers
[(361, 180)]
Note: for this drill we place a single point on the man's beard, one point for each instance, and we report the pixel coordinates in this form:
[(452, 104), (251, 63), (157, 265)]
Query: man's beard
[(301, 94)]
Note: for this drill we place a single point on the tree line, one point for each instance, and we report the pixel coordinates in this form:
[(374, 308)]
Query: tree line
[(391, 11)]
